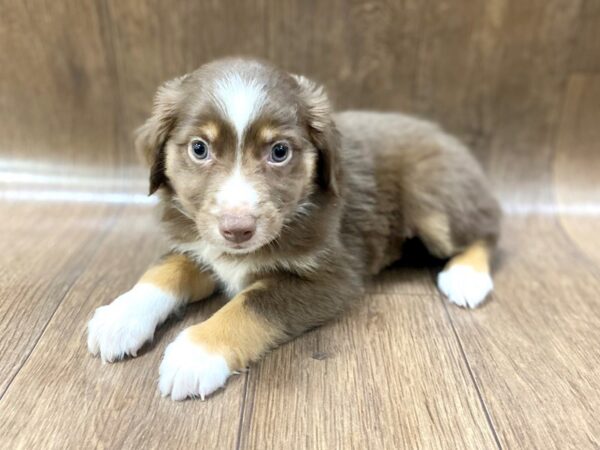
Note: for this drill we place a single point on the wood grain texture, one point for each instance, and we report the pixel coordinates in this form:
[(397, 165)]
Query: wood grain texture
[(388, 375), (584, 58), (532, 348), (43, 256), (517, 80), (482, 68), (577, 164)]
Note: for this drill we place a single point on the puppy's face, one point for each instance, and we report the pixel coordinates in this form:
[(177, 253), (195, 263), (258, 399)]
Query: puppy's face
[(240, 162), (242, 147)]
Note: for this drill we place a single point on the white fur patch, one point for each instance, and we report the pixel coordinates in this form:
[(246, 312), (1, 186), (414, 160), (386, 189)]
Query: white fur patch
[(188, 370), (233, 274), (237, 192), (465, 286), (240, 99), (122, 327)]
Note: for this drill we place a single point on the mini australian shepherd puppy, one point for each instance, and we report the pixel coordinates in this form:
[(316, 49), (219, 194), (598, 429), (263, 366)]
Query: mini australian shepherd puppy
[(288, 208)]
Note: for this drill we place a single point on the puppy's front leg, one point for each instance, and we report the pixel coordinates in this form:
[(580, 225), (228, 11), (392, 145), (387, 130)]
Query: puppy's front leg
[(259, 318), (123, 326)]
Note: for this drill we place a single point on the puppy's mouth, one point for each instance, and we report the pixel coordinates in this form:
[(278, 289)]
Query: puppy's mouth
[(240, 249)]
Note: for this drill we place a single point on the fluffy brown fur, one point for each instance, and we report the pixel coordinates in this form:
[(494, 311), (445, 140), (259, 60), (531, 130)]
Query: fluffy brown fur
[(356, 186)]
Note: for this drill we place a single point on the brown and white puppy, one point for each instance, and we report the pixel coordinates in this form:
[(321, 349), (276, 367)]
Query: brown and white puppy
[(288, 208)]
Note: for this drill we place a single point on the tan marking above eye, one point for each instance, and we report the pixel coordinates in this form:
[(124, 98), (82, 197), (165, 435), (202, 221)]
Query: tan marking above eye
[(267, 133), (210, 130)]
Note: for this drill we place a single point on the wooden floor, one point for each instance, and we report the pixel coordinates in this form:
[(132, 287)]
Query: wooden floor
[(403, 370)]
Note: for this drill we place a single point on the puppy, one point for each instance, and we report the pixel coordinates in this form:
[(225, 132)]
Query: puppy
[(288, 208)]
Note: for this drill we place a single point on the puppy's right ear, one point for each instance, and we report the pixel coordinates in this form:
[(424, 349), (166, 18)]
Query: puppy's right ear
[(151, 137)]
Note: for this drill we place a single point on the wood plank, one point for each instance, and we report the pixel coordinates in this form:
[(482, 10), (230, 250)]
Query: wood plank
[(387, 375), (532, 348), (65, 398), (585, 56), (44, 250), (482, 69), (577, 165), (532, 42), (58, 101)]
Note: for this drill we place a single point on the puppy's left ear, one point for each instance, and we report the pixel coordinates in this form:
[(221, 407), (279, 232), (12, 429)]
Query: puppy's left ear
[(151, 137), (323, 132)]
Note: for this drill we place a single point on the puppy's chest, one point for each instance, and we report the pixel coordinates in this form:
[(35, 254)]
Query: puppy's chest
[(234, 276)]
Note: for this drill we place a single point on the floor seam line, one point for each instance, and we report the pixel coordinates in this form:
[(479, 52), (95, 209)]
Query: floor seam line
[(10, 381), (241, 422), (62, 299), (486, 411)]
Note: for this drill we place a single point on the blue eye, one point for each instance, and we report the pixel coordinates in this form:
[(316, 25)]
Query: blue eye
[(198, 149), (280, 153)]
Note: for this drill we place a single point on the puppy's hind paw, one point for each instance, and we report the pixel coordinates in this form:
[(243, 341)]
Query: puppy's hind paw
[(465, 286), (189, 370)]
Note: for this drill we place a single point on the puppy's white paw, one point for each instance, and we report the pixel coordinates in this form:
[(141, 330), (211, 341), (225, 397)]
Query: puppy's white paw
[(465, 286), (121, 328), (189, 370)]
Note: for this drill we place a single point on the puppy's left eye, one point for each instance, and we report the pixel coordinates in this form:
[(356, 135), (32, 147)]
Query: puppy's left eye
[(280, 153)]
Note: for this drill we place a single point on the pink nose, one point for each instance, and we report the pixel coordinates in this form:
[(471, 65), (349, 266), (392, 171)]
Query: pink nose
[(236, 228)]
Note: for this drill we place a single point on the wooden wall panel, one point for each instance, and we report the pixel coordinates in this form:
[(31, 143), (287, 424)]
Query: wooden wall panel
[(78, 76), (56, 89), (585, 56)]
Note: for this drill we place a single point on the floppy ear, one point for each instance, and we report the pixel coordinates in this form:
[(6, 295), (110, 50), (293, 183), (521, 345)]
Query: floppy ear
[(322, 130), (151, 137)]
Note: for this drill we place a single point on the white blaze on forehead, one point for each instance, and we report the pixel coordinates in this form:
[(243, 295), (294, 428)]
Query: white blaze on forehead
[(240, 99), (237, 192)]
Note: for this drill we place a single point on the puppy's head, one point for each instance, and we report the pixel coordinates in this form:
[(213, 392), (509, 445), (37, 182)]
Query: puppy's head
[(241, 148)]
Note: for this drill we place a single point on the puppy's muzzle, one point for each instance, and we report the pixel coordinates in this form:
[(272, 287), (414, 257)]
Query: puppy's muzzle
[(237, 228)]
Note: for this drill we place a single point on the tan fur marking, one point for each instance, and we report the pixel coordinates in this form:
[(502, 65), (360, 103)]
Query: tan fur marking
[(267, 133), (211, 130), (236, 332), (434, 229), (476, 256), (179, 276)]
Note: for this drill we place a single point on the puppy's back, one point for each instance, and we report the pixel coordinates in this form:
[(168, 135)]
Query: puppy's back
[(415, 175)]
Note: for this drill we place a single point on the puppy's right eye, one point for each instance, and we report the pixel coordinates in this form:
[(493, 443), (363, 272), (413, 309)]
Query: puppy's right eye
[(198, 149)]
